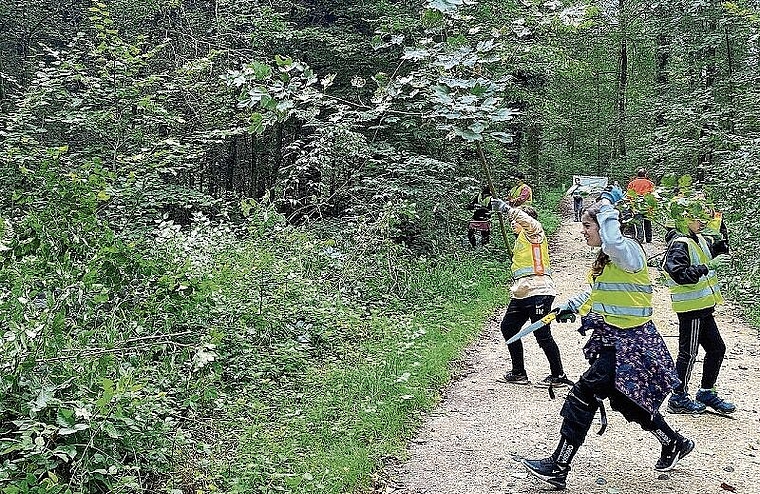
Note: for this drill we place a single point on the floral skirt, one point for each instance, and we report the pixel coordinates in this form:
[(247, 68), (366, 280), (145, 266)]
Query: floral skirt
[(644, 369)]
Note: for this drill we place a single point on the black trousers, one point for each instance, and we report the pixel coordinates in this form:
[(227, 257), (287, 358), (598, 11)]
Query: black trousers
[(643, 231), (697, 328), (648, 230), (581, 403), (578, 208), (519, 311), (485, 236)]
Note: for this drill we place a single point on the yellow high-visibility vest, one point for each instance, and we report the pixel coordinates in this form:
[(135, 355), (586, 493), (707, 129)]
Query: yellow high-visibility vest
[(702, 294), (530, 259), (515, 192), (623, 299)]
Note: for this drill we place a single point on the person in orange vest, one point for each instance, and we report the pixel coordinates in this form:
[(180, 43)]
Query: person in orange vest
[(641, 185), (532, 294), (521, 193)]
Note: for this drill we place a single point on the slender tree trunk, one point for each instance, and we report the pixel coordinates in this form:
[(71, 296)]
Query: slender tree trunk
[(707, 158), (231, 161), (622, 85), (487, 173), (532, 149), (278, 143), (731, 91), (662, 58)]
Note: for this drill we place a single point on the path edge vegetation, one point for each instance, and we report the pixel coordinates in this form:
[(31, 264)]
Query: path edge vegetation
[(354, 416)]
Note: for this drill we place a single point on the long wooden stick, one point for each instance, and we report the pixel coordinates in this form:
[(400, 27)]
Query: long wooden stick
[(487, 172)]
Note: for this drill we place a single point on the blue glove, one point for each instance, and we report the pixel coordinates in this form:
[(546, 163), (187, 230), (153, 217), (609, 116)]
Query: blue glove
[(612, 193), (565, 313), (499, 205)]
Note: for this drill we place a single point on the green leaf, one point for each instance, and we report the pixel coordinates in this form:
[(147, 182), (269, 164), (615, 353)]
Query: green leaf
[(66, 431), (65, 417), (502, 137), (283, 61), (467, 134), (260, 70), (684, 182), (42, 400), (477, 127), (256, 123)]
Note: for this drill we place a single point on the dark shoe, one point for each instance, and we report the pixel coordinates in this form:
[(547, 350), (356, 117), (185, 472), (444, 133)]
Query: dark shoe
[(556, 382), (549, 471), (512, 378), (681, 403), (673, 452), (710, 398)]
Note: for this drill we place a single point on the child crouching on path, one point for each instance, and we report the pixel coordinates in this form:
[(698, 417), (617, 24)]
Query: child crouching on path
[(629, 363)]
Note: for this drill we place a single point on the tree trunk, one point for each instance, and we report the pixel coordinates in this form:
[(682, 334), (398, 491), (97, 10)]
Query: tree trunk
[(231, 161), (705, 134), (622, 86)]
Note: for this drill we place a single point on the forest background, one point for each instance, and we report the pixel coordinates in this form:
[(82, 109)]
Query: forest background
[(231, 232)]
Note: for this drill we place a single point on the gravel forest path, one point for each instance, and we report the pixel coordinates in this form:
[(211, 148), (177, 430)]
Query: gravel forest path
[(473, 441)]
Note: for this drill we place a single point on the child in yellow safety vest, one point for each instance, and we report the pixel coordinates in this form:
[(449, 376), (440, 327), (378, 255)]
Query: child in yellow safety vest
[(628, 360), (532, 294), (690, 263)]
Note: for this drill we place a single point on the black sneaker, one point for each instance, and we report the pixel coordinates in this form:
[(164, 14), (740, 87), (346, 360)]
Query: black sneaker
[(549, 471), (512, 378), (710, 398), (674, 452), (556, 382), (681, 403)]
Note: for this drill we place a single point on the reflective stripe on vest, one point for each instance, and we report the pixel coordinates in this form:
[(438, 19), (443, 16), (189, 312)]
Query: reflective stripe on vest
[(530, 259), (623, 299), (702, 294)]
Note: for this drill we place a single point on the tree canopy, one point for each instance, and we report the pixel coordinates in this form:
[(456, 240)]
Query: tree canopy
[(190, 183)]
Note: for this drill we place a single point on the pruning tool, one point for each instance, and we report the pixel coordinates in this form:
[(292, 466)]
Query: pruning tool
[(551, 316)]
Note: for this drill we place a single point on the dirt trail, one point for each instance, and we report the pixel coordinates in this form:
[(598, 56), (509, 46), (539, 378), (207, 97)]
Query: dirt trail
[(473, 441)]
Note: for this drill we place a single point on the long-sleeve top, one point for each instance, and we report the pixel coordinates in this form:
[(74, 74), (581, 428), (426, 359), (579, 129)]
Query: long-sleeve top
[(529, 286), (641, 186), (677, 262), (624, 252)]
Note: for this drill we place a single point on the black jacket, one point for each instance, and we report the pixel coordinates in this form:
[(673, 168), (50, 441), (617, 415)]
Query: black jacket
[(677, 262), (479, 212)]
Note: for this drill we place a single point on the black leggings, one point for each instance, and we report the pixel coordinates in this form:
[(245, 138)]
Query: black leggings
[(518, 313), (698, 328), (599, 382)]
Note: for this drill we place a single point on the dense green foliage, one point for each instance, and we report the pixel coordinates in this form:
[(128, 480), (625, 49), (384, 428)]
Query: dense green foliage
[(230, 233)]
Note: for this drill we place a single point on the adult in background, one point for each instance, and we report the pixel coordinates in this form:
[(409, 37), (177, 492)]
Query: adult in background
[(577, 200), (521, 193), (641, 185), (532, 294), (629, 362), (690, 262), (481, 214)]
